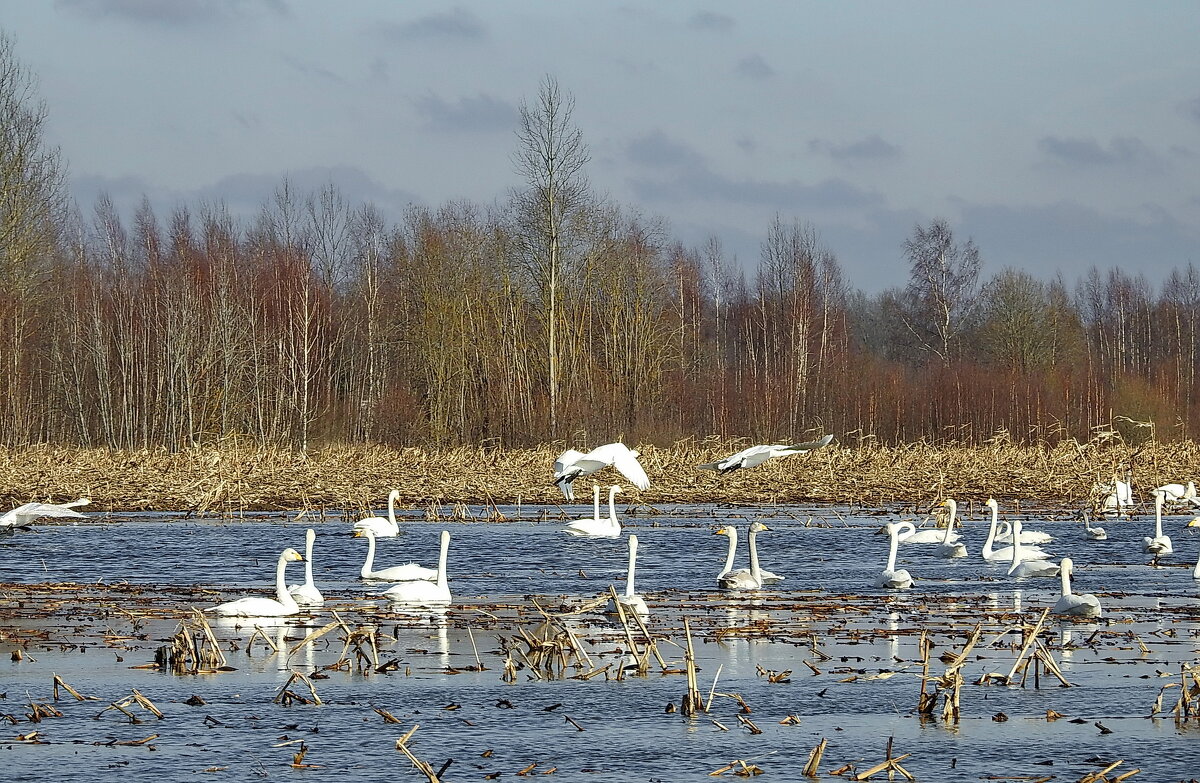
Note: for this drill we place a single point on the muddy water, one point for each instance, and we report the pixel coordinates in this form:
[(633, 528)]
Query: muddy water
[(88, 602)]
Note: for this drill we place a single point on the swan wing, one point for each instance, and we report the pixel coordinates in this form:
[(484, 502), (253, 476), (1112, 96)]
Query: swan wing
[(626, 461), (24, 515), (809, 446)]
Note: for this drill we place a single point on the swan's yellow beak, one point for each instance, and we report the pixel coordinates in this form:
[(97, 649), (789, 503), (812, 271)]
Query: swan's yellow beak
[(357, 534), (1195, 522), (723, 532)]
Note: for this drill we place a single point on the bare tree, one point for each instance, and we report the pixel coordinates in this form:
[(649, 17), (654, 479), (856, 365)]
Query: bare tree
[(551, 157), (940, 295)]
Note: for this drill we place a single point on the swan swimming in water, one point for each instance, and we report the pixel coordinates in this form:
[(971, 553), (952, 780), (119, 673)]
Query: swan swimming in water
[(757, 455), (630, 601), (422, 592), (307, 594), (1024, 568), (598, 527), (1073, 604), (728, 573), (572, 464), (401, 573), (256, 606), (890, 577), (743, 579), (952, 545), (1160, 544), (934, 535), (1005, 553), (1094, 533), (26, 514), (382, 527)]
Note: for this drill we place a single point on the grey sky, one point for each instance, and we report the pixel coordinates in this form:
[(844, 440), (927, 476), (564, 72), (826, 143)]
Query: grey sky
[(1057, 135)]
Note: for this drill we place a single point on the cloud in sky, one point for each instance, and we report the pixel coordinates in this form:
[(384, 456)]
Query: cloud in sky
[(1121, 151), (711, 21), (754, 67), (458, 23), (480, 113), (870, 148), (172, 13)]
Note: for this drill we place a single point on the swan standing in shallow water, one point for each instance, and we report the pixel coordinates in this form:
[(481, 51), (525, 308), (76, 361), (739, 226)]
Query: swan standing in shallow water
[(890, 577), (401, 573), (1005, 553), (1160, 544), (768, 578), (572, 464), (26, 514), (951, 545), (745, 579), (757, 455), (422, 592), (1085, 605), (1023, 568), (382, 527), (307, 594), (256, 606), (630, 601), (1094, 533)]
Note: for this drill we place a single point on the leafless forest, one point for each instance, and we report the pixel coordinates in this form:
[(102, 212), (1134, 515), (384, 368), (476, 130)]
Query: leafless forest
[(553, 315)]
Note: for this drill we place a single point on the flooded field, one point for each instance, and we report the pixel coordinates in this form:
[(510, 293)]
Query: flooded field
[(524, 674)]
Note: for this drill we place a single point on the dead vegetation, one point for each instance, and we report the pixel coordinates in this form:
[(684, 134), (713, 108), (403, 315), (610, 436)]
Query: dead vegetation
[(231, 478)]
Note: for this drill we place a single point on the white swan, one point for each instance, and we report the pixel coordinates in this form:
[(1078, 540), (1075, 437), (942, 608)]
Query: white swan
[(1094, 533), (1005, 536), (307, 594), (401, 573), (934, 535), (25, 515), (599, 527), (572, 464), (256, 606), (630, 601), (1179, 494), (757, 455), (422, 592), (743, 579), (890, 577), (1120, 495), (951, 545), (768, 578), (1005, 553), (1025, 568), (1160, 544), (1075, 605), (382, 527), (1196, 570)]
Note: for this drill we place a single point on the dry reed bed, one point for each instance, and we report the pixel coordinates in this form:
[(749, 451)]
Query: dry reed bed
[(237, 478)]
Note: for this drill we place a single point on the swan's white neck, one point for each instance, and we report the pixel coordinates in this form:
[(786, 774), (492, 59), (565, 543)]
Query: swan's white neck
[(1016, 541), (612, 508), (596, 502), (633, 543), (1158, 505), (732, 549), (369, 563), (894, 544), (1065, 577), (950, 525), (441, 566), (281, 592), (755, 571), (308, 545)]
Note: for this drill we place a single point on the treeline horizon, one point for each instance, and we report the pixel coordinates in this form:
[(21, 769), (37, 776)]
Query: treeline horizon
[(554, 316)]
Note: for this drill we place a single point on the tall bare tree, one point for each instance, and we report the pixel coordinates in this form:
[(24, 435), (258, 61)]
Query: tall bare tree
[(940, 295), (550, 157)]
